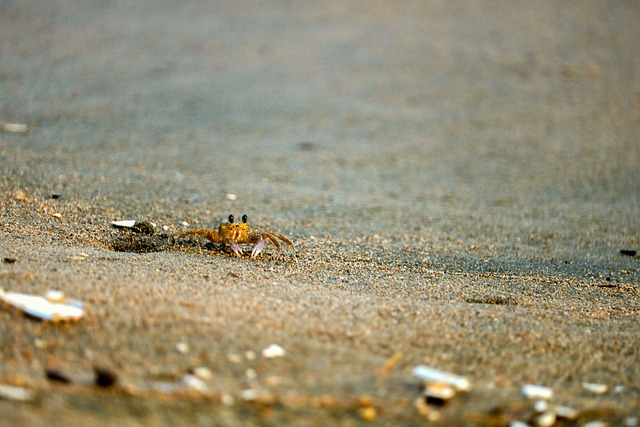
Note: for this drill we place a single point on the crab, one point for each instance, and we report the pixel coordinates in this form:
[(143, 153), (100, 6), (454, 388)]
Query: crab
[(235, 234)]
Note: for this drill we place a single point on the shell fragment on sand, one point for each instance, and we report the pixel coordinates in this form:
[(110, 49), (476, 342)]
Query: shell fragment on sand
[(273, 351), (145, 227), (532, 391), (14, 127), (429, 374), (19, 394), (595, 388), (41, 308)]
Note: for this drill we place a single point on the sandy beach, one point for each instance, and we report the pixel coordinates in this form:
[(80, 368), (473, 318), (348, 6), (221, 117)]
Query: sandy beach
[(458, 180)]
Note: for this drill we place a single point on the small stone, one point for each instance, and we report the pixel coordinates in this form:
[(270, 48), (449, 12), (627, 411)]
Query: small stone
[(273, 351), (532, 391), (595, 388), (104, 377), (231, 196), (368, 414), (194, 383), (203, 373), (9, 260), (567, 413), (595, 423), (227, 399), (249, 394), (57, 215), (57, 376), (182, 347), (544, 419), (541, 405), (251, 374)]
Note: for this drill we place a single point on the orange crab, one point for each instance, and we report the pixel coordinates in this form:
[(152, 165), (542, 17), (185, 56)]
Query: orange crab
[(235, 234)]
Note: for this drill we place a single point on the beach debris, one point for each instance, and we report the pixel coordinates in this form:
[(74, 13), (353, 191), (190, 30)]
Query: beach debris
[(42, 308), (57, 376), (628, 252), (595, 388), (9, 260), (19, 394), (201, 372), (143, 227), (14, 127), (368, 413), (104, 377), (182, 347), (438, 393), (389, 364), (273, 351), (439, 388), (193, 383), (566, 412), (55, 195), (536, 392), (231, 196), (433, 375)]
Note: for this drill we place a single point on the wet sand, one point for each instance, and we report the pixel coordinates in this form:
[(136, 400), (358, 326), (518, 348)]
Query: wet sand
[(458, 180)]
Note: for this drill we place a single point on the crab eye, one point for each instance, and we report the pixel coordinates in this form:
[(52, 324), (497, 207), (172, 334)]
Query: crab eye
[(230, 219), (244, 218)]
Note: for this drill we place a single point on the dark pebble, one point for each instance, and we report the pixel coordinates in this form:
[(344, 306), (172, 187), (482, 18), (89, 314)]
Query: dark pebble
[(104, 377), (57, 376), (628, 252)]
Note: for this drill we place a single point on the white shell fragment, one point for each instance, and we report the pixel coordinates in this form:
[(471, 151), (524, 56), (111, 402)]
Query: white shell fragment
[(14, 127), (532, 391), (41, 308), (595, 388), (434, 375), (439, 391), (19, 394), (132, 224), (273, 351), (194, 383), (124, 224), (567, 412), (231, 196)]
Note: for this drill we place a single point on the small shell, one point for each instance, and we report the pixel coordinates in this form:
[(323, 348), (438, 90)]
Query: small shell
[(14, 127), (439, 393), (273, 351), (532, 391), (595, 388), (41, 308), (433, 375), (19, 394), (194, 383)]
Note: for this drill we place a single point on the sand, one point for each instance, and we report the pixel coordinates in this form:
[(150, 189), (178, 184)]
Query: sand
[(458, 179)]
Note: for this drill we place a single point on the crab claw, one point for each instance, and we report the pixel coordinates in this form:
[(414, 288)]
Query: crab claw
[(258, 245), (235, 248)]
